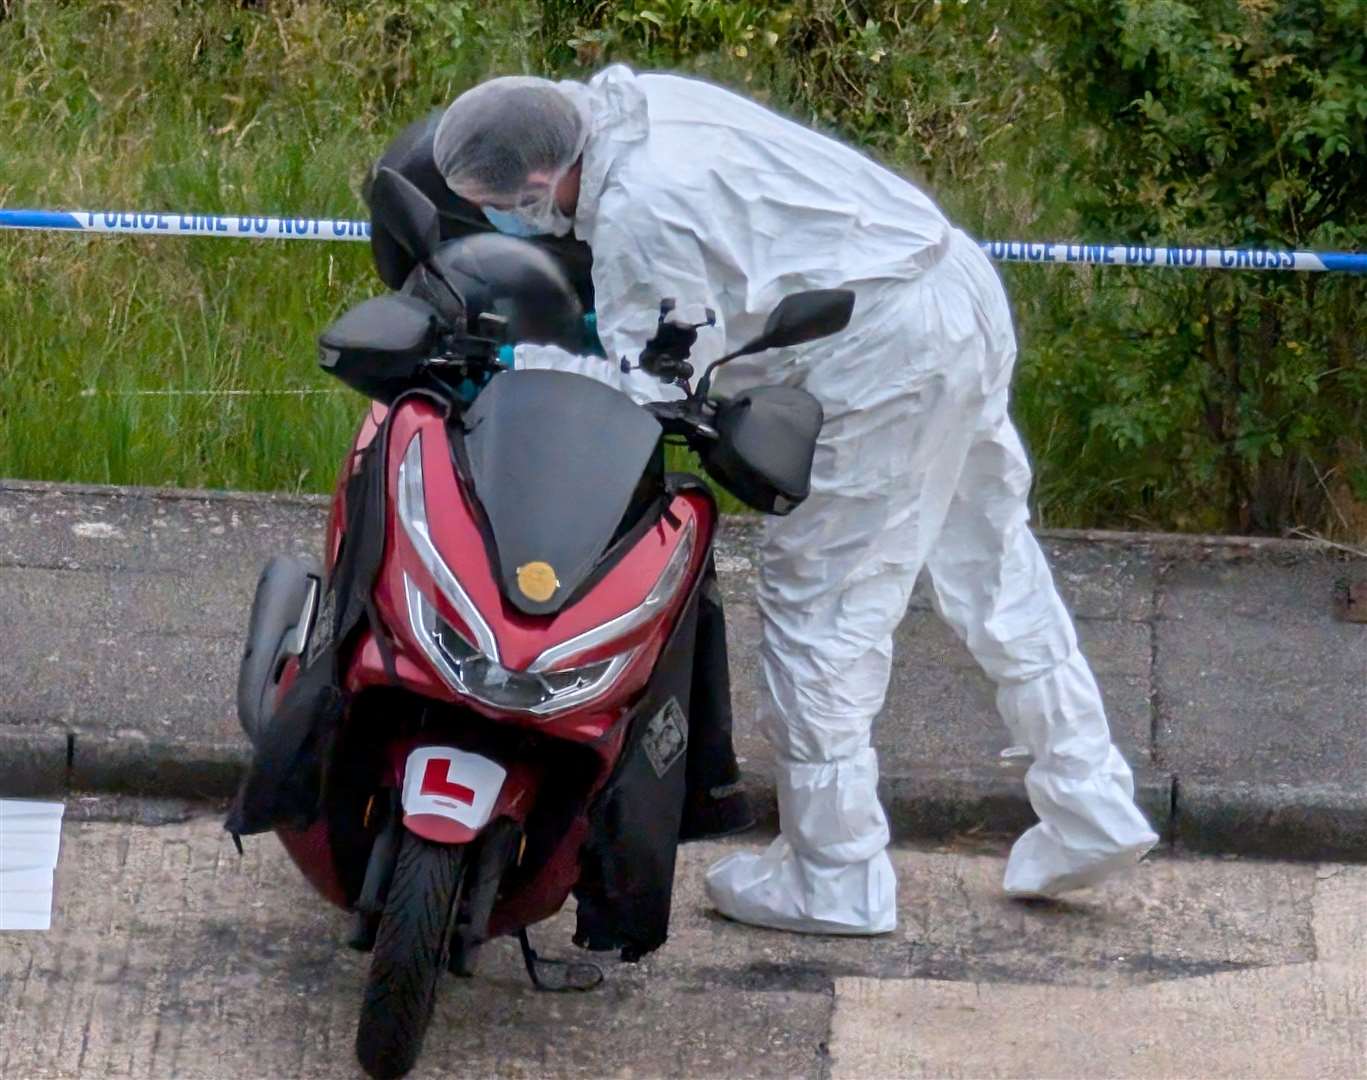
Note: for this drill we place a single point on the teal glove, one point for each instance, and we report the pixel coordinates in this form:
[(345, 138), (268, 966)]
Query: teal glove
[(505, 355), (592, 346)]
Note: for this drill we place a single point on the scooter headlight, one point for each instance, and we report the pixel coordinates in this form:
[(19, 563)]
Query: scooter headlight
[(483, 678)]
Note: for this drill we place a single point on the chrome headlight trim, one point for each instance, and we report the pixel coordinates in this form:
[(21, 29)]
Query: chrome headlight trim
[(660, 595), (422, 617), (412, 502), (589, 691)]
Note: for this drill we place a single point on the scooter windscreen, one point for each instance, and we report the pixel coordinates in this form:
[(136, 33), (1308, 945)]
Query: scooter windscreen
[(561, 466)]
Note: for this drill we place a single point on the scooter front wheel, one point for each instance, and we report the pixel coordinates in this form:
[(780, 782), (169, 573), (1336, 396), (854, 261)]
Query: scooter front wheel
[(412, 949)]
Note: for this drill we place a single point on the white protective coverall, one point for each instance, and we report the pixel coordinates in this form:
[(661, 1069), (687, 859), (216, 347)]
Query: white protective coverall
[(691, 192)]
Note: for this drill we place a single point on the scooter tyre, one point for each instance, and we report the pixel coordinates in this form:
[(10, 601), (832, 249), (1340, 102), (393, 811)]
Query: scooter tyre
[(412, 949)]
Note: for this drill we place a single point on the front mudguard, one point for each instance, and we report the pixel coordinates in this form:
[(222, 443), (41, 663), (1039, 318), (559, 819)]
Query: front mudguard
[(448, 795)]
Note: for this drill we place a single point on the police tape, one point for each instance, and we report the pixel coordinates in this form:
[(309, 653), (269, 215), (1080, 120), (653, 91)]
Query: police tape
[(1009, 251), (1186, 258), (157, 224)]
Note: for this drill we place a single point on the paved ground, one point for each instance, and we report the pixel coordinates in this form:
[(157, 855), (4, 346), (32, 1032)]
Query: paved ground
[(171, 957), (1233, 687)]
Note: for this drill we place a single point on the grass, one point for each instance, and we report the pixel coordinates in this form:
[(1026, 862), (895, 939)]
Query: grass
[(116, 352), (190, 361), (209, 108)]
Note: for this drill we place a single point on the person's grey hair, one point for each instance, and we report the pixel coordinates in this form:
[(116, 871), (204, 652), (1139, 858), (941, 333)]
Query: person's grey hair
[(496, 134)]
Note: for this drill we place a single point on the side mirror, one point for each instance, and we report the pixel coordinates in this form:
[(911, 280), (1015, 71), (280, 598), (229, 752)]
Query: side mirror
[(803, 317), (799, 318), (407, 214)]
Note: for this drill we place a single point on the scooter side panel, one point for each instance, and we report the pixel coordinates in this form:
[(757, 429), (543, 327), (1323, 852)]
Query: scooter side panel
[(311, 851)]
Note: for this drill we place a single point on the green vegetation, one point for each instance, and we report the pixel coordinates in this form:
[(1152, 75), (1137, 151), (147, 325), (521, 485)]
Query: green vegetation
[(210, 107), (1244, 395), (1150, 398)]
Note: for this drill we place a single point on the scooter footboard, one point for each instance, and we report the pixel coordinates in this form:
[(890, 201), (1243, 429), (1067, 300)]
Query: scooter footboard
[(449, 795)]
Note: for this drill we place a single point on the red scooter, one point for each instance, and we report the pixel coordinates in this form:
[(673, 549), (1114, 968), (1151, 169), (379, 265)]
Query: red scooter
[(487, 699)]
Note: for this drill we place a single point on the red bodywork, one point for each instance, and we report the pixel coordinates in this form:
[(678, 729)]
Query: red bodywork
[(454, 531)]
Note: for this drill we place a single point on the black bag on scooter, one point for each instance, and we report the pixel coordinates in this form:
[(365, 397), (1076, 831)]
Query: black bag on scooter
[(626, 877), (285, 782), (714, 803)]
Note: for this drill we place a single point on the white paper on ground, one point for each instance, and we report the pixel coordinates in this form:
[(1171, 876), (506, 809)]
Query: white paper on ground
[(30, 838), (25, 850), (25, 899)]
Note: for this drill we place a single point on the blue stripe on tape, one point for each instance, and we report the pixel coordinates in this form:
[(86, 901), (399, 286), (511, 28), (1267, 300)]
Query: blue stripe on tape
[(38, 219), (1346, 261)]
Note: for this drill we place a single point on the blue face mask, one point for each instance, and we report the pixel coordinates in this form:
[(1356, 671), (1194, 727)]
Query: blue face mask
[(508, 223)]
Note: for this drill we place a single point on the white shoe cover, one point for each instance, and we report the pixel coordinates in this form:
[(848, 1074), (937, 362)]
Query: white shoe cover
[(1041, 867), (783, 891)]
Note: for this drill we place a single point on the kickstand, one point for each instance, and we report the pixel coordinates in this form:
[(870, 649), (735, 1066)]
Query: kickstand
[(558, 976)]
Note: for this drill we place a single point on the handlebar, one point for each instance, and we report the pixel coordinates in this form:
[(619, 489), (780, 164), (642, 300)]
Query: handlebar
[(686, 417), (665, 356), (463, 364)]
